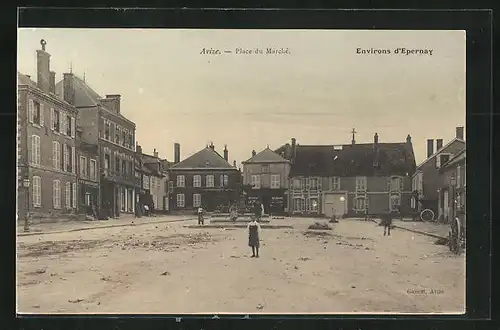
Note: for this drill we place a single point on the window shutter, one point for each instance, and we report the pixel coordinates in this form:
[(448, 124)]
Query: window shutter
[(74, 194), (73, 165), (31, 110), (54, 193), (65, 157), (33, 149), (52, 118), (73, 126), (54, 154), (68, 195), (41, 115)]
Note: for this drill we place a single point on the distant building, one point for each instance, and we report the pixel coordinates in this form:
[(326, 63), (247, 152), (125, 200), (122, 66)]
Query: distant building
[(204, 179), (453, 195), (266, 176), (350, 180), (105, 127), (88, 175), (427, 181), (46, 127)]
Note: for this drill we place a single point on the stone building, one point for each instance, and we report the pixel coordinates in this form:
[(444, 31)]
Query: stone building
[(46, 127)]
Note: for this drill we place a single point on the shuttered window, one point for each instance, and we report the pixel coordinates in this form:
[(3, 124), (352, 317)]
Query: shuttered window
[(56, 194), (35, 149), (73, 199), (67, 193), (37, 191)]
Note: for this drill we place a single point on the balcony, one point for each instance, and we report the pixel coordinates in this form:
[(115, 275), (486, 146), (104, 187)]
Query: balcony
[(119, 177)]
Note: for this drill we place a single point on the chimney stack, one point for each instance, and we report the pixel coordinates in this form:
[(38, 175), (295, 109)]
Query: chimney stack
[(68, 88), (226, 152), (43, 68), (211, 146), (439, 144), (294, 148), (112, 102), (234, 163), (460, 133), (375, 139), (253, 153), (177, 153), (430, 147), (155, 153), (52, 82), (408, 139)]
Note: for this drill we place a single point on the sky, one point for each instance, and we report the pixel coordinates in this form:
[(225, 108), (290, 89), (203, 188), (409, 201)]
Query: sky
[(317, 92)]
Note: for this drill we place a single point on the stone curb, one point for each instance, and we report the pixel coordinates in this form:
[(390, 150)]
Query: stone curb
[(417, 231), (101, 227), (237, 226)]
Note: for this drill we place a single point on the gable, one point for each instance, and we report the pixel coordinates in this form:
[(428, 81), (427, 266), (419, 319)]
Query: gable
[(266, 156), (453, 147), (204, 159)]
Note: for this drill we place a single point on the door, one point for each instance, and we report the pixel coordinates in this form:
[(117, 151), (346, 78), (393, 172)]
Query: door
[(446, 205), (334, 203)]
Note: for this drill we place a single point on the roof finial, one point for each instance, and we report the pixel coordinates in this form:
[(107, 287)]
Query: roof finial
[(43, 43), (353, 136), (70, 67)]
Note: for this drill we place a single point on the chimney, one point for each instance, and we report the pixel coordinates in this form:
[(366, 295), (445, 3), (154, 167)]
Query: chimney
[(439, 144), (234, 163), (177, 153), (375, 139), (43, 68), (155, 153), (52, 82), (138, 149), (430, 147), (408, 139), (68, 88), (211, 146), (294, 148), (376, 149), (460, 133), (253, 153), (112, 102), (226, 153), (288, 153)]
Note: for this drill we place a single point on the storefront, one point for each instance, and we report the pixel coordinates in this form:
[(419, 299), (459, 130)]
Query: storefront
[(89, 196), (274, 200)]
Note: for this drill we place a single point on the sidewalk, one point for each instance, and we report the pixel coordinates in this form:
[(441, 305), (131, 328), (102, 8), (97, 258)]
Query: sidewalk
[(437, 230), (67, 226)]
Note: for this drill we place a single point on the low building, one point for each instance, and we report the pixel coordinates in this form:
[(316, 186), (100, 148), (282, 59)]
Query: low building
[(427, 179), (452, 194), (204, 179), (154, 172), (266, 174), (351, 179), (45, 147)]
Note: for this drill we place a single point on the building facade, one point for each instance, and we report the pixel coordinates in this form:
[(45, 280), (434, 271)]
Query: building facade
[(266, 174), (154, 180), (452, 195), (427, 179), (350, 180), (204, 179), (105, 127), (46, 157), (88, 175)]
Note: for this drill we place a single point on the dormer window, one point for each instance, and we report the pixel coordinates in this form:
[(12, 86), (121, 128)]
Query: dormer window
[(442, 159)]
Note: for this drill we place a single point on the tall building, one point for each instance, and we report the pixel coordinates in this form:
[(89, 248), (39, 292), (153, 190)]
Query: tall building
[(46, 146), (113, 135)]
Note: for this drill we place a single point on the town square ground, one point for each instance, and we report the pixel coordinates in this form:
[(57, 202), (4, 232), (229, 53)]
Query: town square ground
[(167, 268)]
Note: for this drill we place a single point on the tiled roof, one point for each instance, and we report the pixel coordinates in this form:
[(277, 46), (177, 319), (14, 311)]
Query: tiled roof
[(457, 158), (353, 160), (266, 156), (205, 158), (25, 80)]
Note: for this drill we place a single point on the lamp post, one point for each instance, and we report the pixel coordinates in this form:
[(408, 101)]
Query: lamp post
[(26, 184)]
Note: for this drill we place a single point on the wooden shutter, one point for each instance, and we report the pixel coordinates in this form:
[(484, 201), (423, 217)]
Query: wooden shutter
[(73, 126), (41, 115), (54, 154), (65, 157), (74, 194), (33, 150), (68, 195), (73, 159), (52, 118), (31, 110), (54, 194)]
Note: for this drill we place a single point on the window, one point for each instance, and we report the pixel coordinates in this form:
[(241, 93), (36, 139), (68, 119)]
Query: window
[(298, 204), (124, 139), (265, 168), (395, 202), (255, 182), (170, 186), (69, 126), (67, 195), (124, 167), (312, 204), (56, 155), (210, 181), (196, 200), (442, 159), (107, 130), (122, 199), (458, 177), (56, 194), (87, 199), (275, 181), (35, 149), (83, 167), (56, 120), (37, 191), (117, 164), (335, 183), (180, 181), (107, 160), (224, 180), (155, 201), (117, 134), (395, 183), (145, 182), (297, 184), (93, 169), (69, 157), (361, 183), (360, 204), (131, 140), (180, 200), (315, 184), (197, 181), (35, 112)]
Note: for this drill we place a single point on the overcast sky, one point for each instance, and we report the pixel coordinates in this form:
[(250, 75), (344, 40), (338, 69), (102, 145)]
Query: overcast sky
[(317, 93)]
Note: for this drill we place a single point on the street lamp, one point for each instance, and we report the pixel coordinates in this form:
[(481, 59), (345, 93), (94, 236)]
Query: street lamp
[(26, 184)]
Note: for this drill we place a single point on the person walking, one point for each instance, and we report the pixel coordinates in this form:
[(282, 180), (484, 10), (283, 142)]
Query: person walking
[(387, 223), (201, 220), (254, 237)]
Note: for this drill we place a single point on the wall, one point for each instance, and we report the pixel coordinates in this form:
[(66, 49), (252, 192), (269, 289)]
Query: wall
[(88, 120), (283, 169)]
